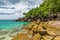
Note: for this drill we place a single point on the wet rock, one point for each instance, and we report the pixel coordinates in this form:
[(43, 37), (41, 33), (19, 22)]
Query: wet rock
[(25, 31), (3, 32), (2, 38)]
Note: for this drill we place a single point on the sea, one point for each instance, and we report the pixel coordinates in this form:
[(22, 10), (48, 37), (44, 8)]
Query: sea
[(9, 28), (11, 24)]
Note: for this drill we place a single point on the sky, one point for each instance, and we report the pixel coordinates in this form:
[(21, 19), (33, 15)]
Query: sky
[(13, 9)]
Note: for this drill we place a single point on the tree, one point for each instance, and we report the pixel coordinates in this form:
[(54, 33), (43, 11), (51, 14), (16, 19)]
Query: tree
[(46, 8)]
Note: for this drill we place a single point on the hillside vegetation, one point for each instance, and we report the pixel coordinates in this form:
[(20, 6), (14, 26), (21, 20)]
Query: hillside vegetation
[(47, 10)]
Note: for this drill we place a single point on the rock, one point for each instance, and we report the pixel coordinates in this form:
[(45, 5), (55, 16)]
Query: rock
[(51, 33), (3, 32), (57, 38), (20, 19), (30, 34), (2, 38), (45, 25), (37, 36), (47, 37), (41, 29), (24, 31), (29, 27), (42, 39), (53, 28), (35, 27), (21, 37)]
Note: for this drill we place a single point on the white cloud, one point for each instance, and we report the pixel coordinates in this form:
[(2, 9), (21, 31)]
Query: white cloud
[(19, 8)]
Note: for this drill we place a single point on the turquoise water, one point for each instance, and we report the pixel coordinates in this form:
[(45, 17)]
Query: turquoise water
[(9, 24)]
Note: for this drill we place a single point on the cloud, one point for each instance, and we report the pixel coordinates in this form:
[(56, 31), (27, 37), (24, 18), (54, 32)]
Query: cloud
[(14, 1), (19, 6)]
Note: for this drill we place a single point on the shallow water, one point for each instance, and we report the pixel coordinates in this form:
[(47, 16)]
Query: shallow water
[(10, 24), (10, 28)]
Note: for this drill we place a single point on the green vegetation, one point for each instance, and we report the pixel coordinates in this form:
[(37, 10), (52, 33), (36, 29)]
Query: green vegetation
[(44, 10)]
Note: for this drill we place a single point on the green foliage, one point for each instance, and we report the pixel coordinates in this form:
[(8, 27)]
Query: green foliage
[(46, 8)]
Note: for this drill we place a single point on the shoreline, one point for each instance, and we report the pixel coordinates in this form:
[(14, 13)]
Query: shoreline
[(9, 34), (33, 31), (36, 30)]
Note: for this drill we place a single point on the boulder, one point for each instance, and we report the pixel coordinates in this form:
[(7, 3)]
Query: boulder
[(3, 32), (42, 39), (47, 37), (41, 29), (35, 27), (51, 33), (21, 37), (37, 36), (30, 34), (53, 28), (57, 38), (28, 27)]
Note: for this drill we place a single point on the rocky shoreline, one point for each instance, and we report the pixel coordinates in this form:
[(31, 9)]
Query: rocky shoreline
[(40, 31), (6, 34)]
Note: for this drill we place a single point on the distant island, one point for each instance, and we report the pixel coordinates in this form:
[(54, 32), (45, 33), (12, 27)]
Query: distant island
[(20, 19)]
